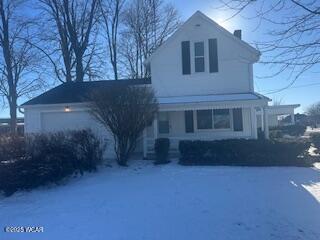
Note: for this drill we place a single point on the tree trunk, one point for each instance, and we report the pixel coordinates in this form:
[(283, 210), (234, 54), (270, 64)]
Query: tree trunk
[(79, 70), (13, 115)]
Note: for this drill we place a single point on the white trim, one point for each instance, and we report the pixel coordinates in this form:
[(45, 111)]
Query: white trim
[(266, 123), (145, 144), (253, 119), (212, 105), (83, 104), (204, 56)]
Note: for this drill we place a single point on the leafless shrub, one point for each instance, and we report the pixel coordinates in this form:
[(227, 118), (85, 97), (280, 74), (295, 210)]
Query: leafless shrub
[(125, 111)]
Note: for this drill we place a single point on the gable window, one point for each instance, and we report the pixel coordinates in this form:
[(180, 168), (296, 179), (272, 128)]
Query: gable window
[(199, 56), (163, 123), (221, 118), (204, 119)]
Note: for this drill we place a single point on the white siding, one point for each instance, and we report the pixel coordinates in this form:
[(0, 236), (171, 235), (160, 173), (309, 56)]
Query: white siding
[(52, 118), (235, 64)]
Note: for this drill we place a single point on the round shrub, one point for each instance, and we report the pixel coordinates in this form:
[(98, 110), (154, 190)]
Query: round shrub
[(161, 148), (240, 152)]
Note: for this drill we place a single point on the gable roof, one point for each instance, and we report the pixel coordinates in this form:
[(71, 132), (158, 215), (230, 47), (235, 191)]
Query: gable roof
[(76, 92), (220, 29)]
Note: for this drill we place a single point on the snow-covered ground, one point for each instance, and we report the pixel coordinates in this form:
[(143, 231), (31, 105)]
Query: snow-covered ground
[(172, 202)]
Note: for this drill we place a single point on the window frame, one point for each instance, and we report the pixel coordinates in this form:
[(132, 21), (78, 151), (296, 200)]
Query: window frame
[(213, 129), (230, 119), (199, 56), (204, 129)]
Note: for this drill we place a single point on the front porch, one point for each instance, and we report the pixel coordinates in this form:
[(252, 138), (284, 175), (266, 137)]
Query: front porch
[(209, 118)]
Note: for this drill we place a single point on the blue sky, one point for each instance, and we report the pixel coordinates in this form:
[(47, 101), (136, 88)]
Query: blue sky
[(305, 91)]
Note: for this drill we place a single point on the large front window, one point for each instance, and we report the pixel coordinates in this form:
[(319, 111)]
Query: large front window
[(213, 119), (204, 119), (199, 56), (221, 118)]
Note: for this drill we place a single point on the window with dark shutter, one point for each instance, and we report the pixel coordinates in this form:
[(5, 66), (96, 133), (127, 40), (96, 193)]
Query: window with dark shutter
[(213, 55), (188, 117), (237, 120), (199, 56), (186, 64)]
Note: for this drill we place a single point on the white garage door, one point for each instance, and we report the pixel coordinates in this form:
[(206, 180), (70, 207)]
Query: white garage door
[(64, 121), (60, 121)]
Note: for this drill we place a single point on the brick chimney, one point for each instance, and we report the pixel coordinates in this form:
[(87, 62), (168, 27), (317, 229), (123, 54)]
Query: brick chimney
[(237, 33)]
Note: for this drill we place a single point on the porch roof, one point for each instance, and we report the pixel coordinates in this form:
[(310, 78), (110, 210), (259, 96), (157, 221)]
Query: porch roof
[(236, 100), (280, 109), (212, 98)]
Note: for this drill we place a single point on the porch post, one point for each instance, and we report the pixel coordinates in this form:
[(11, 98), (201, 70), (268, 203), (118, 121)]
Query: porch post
[(155, 127), (292, 118), (266, 123), (261, 119), (254, 123), (144, 136)]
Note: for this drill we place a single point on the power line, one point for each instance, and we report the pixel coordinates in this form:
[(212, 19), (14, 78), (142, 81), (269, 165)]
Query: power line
[(294, 87)]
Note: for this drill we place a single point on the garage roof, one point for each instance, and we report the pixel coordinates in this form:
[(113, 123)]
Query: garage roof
[(75, 92)]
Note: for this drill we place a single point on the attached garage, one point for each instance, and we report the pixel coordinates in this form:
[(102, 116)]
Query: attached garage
[(63, 121)]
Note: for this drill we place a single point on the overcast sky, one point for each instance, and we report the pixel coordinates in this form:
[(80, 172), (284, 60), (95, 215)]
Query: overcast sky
[(305, 91)]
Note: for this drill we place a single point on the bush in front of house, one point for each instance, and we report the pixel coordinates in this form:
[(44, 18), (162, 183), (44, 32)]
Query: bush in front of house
[(124, 111), (291, 130), (315, 139), (88, 150), (12, 147), (49, 158), (240, 152), (275, 133), (161, 148)]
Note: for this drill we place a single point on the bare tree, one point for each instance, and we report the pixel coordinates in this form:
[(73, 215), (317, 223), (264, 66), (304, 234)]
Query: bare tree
[(18, 60), (148, 23), (277, 101), (293, 44), (74, 36), (111, 11), (55, 44), (313, 112), (125, 111)]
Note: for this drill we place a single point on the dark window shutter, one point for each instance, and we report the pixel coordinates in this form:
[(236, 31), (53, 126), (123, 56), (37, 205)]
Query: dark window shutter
[(213, 55), (188, 117), (237, 120), (186, 62)]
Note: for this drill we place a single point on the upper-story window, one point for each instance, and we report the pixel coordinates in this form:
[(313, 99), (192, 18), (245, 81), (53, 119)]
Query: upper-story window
[(199, 56)]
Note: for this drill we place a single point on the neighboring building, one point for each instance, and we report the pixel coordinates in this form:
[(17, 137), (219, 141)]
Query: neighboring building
[(203, 79), (5, 125), (277, 114)]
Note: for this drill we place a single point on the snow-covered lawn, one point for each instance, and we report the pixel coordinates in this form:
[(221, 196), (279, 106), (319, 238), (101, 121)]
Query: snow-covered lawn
[(172, 202)]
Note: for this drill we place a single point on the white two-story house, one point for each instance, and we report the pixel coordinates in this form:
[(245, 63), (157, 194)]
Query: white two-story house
[(203, 79)]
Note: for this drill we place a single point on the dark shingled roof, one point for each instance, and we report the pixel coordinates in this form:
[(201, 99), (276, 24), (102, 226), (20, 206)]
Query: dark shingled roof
[(76, 92)]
